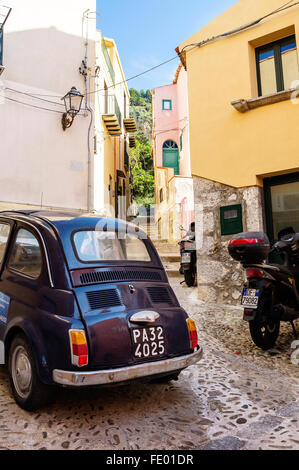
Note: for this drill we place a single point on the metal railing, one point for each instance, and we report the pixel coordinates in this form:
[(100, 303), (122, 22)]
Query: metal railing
[(112, 107), (108, 61)]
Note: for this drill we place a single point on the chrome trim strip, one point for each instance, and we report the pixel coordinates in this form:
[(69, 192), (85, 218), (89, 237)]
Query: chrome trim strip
[(111, 376)]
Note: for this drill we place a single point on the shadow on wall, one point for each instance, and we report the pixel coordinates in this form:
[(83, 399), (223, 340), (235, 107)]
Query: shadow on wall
[(43, 164), (46, 58)]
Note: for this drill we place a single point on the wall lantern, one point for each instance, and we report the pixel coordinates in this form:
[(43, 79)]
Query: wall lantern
[(72, 101)]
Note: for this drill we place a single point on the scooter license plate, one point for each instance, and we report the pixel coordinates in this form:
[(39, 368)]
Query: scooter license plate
[(186, 258), (250, 298)]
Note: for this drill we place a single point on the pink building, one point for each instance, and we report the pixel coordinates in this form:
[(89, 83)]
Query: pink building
[(173, 182)]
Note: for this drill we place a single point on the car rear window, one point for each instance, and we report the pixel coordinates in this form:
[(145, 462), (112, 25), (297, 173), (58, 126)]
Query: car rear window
[(93, 246)]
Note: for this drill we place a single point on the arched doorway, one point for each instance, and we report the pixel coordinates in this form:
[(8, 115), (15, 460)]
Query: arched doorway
[(171, 156)]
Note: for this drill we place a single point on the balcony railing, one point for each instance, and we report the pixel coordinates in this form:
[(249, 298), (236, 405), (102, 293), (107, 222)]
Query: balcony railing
[(112, 115), (108, 61)]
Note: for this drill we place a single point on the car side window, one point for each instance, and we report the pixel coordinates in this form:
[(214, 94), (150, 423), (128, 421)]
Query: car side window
[(4, 234), (26, 256)]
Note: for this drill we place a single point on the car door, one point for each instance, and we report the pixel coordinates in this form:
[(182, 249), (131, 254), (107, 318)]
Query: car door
[(22, 277), (6, 228)]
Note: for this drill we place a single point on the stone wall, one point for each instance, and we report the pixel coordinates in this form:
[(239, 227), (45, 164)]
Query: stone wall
[(220, 278)]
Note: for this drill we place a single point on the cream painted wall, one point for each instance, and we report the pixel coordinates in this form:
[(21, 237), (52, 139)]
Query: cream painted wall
[(44, 45), (227, 146)]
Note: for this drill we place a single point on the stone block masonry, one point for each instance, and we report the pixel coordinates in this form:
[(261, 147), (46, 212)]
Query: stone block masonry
[(220, 279)]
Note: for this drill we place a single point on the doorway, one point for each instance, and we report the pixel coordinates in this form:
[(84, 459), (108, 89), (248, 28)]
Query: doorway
[(171, 156)]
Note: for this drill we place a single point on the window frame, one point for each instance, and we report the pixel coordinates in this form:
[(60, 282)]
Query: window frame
[(109, 262), (276, 45), (16, 271), (10, 224), (1, 45), (163, 105)]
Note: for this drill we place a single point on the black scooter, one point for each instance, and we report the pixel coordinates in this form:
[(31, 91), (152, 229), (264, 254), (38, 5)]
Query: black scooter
[(271, 294), (188, 256)]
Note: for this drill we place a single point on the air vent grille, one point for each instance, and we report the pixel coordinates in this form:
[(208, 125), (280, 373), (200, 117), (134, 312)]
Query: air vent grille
[(101, 299), (159, 295), (93, 277)]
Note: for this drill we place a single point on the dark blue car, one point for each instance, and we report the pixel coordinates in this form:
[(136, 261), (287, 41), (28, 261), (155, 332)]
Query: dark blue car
[(85, 301)]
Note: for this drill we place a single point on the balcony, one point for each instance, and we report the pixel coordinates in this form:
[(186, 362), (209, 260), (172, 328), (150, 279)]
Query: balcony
[(132, 141), (112, 116), (108, 61)]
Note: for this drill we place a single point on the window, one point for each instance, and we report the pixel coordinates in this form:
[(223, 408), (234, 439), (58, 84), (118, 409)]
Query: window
[(277, 66), (94, 246), (4, 234), (167, 105), (231, 219), (26, 257), (1, 46), (161, 195)]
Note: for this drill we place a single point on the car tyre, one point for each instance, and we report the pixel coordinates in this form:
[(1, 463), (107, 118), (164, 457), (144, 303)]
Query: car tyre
[(27, 389)]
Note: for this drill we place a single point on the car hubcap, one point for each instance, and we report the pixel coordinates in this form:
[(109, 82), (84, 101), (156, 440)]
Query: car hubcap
[(21, 372)]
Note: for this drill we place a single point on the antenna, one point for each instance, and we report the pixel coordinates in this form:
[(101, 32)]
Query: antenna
[(4, 14)]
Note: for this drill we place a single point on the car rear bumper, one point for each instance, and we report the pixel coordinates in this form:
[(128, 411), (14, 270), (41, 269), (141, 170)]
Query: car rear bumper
[(111, 376)]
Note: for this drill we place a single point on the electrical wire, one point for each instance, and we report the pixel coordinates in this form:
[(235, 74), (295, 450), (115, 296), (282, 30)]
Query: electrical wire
[(283, 7), (33, 106), (194, 45), (33, 96), (37, 107)]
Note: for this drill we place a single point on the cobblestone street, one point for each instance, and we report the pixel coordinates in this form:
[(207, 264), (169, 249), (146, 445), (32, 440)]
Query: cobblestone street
[(237, 397)]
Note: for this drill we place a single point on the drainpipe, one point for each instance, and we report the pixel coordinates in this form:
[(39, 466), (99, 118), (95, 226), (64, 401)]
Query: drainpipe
[(87, 108)]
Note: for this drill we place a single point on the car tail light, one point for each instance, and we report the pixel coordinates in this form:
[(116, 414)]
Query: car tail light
[(246, 241), (192, 333), (79, 349), (253, 272)]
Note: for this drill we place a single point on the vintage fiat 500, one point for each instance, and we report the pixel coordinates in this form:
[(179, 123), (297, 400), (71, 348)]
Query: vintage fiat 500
[(85, 301)]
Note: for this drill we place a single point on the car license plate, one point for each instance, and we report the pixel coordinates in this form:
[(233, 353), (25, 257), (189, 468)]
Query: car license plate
[(148, 342), (250, 298), (186, 258)]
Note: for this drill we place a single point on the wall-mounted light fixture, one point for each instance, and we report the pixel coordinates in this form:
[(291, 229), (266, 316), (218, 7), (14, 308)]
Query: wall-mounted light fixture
[(72, 101)]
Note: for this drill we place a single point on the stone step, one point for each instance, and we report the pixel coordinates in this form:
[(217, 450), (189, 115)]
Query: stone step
[(170, 257)]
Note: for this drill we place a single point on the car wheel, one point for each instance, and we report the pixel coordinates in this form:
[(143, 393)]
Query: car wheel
[(28, 391)]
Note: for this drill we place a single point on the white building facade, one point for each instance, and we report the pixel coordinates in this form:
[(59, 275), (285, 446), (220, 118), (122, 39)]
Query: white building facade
[(48, 47)]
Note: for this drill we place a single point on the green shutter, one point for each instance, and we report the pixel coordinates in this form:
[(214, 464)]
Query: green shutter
[(231, 219)]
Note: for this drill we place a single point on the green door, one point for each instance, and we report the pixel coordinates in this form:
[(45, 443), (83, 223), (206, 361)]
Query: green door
[(171, 156)]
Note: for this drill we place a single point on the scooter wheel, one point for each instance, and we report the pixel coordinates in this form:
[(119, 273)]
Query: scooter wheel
[(264, 330), (189, 278)]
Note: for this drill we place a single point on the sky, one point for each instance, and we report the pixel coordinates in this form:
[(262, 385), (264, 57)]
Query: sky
[(147, 32)]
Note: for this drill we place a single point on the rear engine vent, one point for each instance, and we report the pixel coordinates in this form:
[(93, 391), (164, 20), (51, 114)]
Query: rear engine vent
[(105, 298), (109, 276), (159, 295)]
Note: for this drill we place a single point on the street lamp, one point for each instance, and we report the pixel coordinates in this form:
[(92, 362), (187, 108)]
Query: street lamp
[(72, 101)]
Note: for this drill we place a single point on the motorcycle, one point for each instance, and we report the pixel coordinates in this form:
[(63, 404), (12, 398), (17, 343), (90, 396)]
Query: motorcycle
[(188, 256), (271, 293)]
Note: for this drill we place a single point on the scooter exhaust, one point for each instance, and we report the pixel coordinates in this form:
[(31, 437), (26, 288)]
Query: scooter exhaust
[(284, 313)]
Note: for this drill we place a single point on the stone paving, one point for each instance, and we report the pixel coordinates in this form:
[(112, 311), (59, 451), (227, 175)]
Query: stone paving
[(237, 397)]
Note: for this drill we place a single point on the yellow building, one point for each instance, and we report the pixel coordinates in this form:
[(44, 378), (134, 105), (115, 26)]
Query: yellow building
[(114, 131), (243, 109)]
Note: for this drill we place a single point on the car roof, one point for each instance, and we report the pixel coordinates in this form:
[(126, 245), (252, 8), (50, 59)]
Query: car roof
[(73, 220)]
